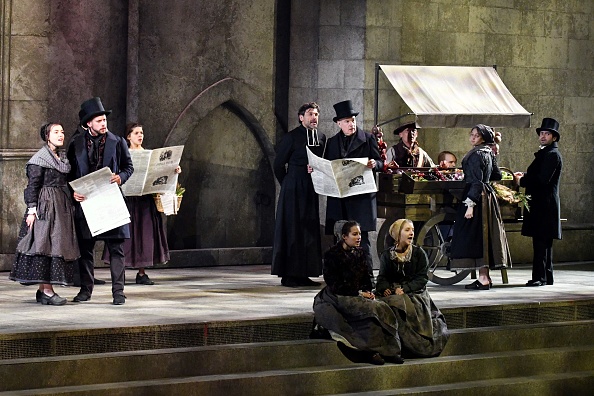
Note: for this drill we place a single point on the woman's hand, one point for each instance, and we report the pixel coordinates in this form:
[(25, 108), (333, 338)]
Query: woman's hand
[(368, 295), (469, 212), (30, 219), (399, 291)]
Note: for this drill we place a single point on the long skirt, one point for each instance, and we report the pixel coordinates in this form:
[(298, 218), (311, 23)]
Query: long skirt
[(147, 245), (45, 252), (368, 325), (421, 325)]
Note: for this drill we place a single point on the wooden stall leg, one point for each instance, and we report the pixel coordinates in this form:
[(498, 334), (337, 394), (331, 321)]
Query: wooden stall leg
[(504, 276)]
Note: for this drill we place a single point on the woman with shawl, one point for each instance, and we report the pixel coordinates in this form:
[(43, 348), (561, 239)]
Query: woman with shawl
[(401, 283), (47, 245)]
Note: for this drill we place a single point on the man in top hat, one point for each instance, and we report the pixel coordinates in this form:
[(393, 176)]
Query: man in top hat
[(89, 150), (352, 142), (543, 221), (297, 250), (407, 153)]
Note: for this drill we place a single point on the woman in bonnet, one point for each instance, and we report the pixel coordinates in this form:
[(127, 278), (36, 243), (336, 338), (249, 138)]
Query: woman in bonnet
[(401, 283), (47, 245)]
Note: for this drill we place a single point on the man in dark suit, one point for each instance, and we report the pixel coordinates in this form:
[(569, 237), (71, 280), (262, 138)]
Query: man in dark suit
[(543, 221), (353, 142), (88, 151)]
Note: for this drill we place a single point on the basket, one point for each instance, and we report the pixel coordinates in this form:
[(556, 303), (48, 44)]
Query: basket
[(159, 204)]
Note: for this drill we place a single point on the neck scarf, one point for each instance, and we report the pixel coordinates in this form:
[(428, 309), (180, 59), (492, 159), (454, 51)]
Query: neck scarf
[(46, 158), (95, 148)]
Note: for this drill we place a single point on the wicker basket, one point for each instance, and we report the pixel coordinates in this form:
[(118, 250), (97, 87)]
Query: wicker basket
[(159, 204)]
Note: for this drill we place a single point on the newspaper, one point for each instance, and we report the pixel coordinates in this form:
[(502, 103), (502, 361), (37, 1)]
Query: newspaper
[(342, 177), (101, 198), (154, 171)]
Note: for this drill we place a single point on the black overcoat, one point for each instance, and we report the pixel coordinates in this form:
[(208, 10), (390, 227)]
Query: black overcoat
[(541, 180), (363, 207), (297, 249), (115, 156)]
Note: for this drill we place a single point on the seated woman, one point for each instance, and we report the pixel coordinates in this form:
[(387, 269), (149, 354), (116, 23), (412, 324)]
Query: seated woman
[(365, 328), (402, 284)]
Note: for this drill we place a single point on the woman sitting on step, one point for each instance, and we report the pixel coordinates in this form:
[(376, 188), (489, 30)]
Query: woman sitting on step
[(401, 283), (365, 328)]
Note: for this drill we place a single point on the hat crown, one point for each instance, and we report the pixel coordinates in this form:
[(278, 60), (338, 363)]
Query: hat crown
[(548, 124), (344, 110), (90, 109)]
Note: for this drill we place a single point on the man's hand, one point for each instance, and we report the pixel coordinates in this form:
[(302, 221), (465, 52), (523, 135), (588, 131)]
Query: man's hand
[(115, 179), (309, 169), (78, 197), (399, 291), (469, 212), (371, 163), (387, 292)]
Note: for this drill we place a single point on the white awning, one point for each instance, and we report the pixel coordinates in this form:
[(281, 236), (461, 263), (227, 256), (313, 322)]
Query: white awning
[(456, 96)]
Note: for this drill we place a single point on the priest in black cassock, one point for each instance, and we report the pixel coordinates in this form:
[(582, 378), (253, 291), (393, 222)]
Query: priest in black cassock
[(297, 250)]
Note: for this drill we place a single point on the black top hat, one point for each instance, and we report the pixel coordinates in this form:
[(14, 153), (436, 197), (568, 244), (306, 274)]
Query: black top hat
[(344, 110), (90, 109), (410, 125), (549, 124)]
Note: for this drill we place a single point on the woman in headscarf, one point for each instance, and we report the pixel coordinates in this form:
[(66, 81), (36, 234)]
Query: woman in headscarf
[(47, 245), (365, 328), (402, 284), (467, 249)]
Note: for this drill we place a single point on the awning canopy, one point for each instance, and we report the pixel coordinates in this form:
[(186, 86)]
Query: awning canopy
[(456, 96)]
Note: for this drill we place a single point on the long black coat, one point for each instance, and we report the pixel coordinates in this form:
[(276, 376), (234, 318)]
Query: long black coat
[(363, 207), (541, 180), (297, 249), (115, 156)]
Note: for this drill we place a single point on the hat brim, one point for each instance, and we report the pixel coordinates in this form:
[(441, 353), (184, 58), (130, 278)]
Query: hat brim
[(89, 117), (345, 116)]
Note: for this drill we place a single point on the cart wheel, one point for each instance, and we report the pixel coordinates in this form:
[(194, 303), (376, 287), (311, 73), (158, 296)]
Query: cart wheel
[(434, 237)]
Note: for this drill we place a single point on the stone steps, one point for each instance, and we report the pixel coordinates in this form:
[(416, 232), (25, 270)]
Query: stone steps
[(520, 358)]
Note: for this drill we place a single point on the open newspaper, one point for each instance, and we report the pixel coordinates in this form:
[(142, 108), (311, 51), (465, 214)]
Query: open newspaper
[(342, 177), (154, 171), (101, 197)]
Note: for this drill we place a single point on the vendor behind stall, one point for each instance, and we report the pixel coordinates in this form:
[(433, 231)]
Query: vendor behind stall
[(407, 152)]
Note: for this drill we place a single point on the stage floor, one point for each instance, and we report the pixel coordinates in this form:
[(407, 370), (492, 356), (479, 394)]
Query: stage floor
[(214, 294)]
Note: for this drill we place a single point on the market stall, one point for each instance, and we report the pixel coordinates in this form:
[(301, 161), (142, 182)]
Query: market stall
[(444, 97)]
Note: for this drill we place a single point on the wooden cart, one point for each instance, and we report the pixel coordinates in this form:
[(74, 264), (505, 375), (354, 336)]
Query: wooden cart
[(431, 205)]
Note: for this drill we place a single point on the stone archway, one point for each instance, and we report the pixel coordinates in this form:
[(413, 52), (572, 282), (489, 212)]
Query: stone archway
[(227, 214)]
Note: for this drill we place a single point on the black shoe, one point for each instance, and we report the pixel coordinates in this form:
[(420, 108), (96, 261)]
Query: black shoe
[(98, 281), (535, 283), (354, 355), (120, 299), (38, 295), (307, 282), (82, 296), (143, 280), (476, 285), (53, 300), (394, 359), (549, 283), (375, 358), (288, 281)]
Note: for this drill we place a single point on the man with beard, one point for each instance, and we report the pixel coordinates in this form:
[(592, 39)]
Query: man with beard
[(407, 153), (543, 221), (353, 142), (88, 151), (297, 250)]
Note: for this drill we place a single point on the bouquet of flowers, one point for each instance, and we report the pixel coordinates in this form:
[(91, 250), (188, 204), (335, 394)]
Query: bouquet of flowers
[(508, 195)]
